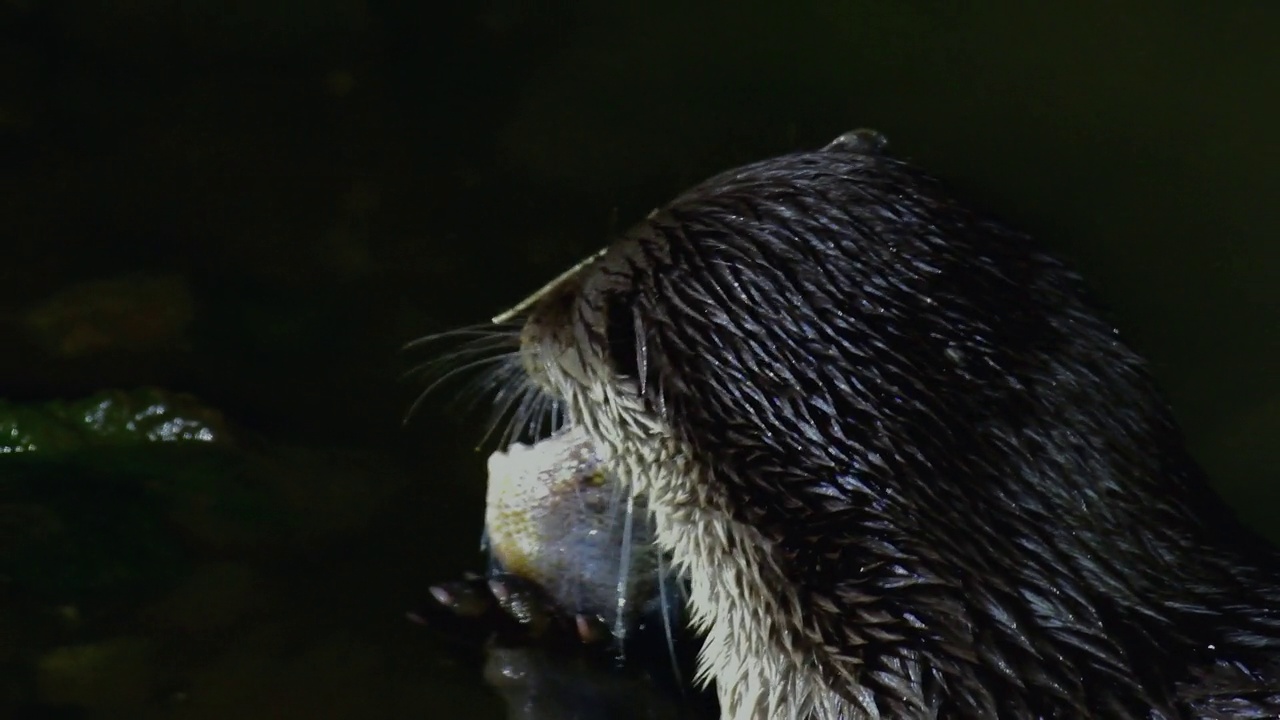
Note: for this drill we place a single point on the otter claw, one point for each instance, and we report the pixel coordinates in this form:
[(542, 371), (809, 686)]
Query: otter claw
[(516, 607), (463, 599), (513, 606), (523, 602), (591, 629)]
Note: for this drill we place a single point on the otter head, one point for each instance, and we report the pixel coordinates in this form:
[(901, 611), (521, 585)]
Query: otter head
[(907, 469)]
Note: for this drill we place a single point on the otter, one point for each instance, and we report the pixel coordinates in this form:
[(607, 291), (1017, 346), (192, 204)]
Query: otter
[(905, 463)]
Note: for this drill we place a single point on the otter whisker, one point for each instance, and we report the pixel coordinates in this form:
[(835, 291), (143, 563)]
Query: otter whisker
[(543, 416), (478, 346), (508, 397), (486, 385), (523, 421), (517, 407), (436, 374), (642, 350), (524, 410), (616, 497), (624, 575), (665, 609), (561, 415), (509, 330), (555, 415), (507, 373), (537, 416), (525, 415), (481, 346), (413, 408)]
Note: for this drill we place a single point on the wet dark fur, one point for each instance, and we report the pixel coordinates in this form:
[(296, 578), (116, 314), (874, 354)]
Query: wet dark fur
[(975, 484)]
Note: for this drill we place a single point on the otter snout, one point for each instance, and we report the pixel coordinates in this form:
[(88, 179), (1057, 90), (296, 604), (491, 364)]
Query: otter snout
[(547, 346)]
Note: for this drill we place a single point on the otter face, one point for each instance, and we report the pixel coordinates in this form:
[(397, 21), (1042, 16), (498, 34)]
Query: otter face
[(588, 344), (887, 440)]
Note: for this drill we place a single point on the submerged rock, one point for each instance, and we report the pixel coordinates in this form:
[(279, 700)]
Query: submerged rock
[(129, 314)]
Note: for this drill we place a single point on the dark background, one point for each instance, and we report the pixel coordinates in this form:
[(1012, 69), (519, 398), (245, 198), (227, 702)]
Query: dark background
[(295, 188)]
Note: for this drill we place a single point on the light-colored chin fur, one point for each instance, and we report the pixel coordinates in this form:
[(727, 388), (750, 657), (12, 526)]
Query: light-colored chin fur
[(755, 632)]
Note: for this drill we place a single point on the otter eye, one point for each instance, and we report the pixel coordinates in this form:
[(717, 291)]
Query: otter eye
[(620, 336)]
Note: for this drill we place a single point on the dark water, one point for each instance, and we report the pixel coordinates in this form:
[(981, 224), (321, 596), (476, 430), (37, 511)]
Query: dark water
[(314, 183)]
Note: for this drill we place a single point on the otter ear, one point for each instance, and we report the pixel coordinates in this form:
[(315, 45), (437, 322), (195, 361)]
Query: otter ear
[(863, 141)]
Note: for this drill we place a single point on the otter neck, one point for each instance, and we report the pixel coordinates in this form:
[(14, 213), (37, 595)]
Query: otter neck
[(895, 606)]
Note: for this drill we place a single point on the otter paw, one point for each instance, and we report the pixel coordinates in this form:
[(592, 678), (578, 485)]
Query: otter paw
[(525, 603), (513, 610)]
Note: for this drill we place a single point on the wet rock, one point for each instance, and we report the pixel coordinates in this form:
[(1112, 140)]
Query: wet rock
[(115, 674), (92, 485), (129, 314), (110, 418), (212, 599), (66, 534), (114, 332)]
